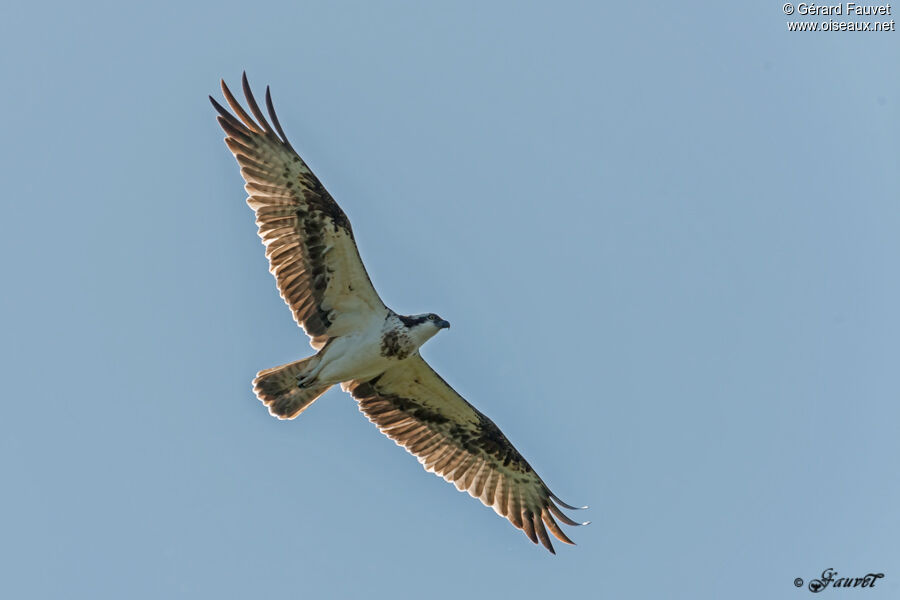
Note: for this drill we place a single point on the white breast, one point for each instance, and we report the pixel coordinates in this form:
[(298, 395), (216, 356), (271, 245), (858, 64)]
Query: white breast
[(354, 356)]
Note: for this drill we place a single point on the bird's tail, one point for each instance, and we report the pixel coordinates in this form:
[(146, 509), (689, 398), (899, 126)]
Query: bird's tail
[(280, 390)]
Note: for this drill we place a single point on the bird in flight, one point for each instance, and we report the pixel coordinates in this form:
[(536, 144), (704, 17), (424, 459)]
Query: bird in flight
[(360, 343)]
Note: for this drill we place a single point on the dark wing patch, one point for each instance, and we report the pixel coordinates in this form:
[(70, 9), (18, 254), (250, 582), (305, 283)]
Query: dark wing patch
[(308, 238), (413, 406)]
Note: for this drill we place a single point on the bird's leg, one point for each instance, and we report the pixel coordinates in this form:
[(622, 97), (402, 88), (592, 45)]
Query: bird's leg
[(309, 378)]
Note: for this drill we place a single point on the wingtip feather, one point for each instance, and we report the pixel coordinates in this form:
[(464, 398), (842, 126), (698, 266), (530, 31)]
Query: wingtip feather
[(270, 107), (542, 534), (554, 528), (239, 110), (566, 505), (254, 107)]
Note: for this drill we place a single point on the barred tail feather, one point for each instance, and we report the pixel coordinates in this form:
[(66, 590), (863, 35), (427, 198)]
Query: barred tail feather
[(279, 389)]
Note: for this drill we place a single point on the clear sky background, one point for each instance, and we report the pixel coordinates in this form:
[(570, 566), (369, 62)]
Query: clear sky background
[(666, 235)]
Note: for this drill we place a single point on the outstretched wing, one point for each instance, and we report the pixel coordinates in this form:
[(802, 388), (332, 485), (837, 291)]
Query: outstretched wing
[(413, 406), (308, 239)]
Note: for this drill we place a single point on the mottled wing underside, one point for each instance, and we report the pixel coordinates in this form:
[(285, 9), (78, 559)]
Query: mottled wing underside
[(413, 406), (308, 239)]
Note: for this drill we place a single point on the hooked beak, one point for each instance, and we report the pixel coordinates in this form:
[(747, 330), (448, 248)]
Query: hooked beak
[(442, 324)]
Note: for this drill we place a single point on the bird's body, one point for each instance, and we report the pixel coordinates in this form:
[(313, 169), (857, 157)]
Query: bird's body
[(377, 346), (364, 346), (355, 355)]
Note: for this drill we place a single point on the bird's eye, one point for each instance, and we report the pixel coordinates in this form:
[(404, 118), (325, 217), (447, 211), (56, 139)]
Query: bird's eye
[(432, 317)]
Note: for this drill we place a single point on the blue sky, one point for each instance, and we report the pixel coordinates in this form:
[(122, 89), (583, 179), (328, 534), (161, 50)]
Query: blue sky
[(665, 234)]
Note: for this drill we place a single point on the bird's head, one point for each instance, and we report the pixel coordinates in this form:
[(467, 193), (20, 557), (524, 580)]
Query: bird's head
[(423, 327)]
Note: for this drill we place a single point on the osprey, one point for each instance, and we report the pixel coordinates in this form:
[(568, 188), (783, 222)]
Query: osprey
[(363, 345)]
